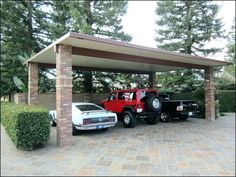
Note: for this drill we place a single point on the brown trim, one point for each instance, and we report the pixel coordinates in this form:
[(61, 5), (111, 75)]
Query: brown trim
[(83, 68), (132, 58)]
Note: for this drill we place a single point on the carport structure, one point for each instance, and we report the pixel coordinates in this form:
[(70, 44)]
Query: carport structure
[(85, 52)]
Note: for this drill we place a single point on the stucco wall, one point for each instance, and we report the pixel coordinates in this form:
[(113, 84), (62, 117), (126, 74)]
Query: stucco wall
[(48, 100)]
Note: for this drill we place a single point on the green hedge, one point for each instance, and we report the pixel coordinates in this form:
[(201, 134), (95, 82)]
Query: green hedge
[(27, 126), (227, 100)]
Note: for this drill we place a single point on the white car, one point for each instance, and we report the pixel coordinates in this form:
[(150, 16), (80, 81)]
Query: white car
[(87, 116)]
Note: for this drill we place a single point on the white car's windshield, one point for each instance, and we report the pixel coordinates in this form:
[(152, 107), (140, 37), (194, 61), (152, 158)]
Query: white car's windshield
[(88, 108)]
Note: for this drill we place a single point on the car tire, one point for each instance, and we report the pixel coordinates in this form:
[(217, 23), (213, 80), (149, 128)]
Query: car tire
[(153, 120), (74, 130), (165, 116), (153, 103), (183, 117), (129, 119), (51, 120)]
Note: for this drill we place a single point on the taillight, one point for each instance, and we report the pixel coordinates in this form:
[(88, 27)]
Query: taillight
[(139, 108), (86, 121), (179, 108)]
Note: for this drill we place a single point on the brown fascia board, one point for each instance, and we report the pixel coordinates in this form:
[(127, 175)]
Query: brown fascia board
[(126, 44)]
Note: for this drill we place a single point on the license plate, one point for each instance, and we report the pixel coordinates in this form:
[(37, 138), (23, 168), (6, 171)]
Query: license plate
[(99, 126), (190, 113)]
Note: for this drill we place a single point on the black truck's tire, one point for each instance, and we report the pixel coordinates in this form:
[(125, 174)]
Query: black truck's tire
[(129, 119), (183, 117), (153, 120), (153, 103), (52, 122), (165, 116), (74, 130)]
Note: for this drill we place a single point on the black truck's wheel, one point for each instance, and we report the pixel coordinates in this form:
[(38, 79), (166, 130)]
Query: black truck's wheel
[(165, 116), (153, 103), (129, 119), (183, 117), (153, 120), (52, 122)]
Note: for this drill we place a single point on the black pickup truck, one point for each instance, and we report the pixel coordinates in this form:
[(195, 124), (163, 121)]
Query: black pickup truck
[(183, 109)]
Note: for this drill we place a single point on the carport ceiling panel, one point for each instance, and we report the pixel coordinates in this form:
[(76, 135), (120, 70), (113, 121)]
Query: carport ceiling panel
[(85, 61)]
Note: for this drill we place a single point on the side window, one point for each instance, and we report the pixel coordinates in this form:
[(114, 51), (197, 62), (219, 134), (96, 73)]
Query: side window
[(142, 94), (133, 96), (112, 96), (121, 96), (126, 95)]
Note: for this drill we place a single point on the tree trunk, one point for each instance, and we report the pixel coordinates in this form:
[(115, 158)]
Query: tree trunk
[(189, 32), (88, 74), (30, 25)]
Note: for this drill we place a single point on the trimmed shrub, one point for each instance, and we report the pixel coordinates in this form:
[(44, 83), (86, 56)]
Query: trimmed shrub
[(227, 100), (28, 126)]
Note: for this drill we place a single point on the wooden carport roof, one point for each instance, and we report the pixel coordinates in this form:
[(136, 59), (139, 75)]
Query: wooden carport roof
[(93, 53)]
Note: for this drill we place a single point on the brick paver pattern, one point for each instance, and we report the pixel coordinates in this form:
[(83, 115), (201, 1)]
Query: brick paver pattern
[(184, 148)]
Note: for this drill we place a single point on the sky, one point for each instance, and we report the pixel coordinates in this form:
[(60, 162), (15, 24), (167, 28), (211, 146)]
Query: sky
[(140, 19)]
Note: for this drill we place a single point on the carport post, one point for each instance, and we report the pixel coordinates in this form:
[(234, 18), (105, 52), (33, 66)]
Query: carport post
[(32, 83), (152, 80), (64, 94), (209, 94)]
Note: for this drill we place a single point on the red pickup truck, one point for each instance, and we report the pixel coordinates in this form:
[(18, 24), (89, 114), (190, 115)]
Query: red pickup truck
[(134, 103)]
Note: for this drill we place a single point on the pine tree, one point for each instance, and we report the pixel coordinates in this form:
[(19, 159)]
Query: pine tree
[(98, 18), (187, 27), (21, 36)]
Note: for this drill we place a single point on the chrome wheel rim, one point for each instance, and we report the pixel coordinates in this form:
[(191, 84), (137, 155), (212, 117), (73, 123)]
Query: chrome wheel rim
[(127, 119), (51, 121), (164, 116)]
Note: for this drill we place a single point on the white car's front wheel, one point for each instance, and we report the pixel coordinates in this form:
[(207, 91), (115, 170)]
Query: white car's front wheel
[(52, 122), (74, 130)]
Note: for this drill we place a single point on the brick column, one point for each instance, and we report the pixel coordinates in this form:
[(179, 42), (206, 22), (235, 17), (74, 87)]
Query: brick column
[(209, 94), (33, 83), (64, 94), (152, 80)]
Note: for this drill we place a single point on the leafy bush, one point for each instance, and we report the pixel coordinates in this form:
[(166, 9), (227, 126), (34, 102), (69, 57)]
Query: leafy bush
[(227, 100), (27, 126)]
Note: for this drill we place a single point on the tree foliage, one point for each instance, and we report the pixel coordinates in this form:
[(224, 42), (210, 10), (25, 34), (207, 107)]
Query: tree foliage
[(226, 79), (99, 18), (187, 27), (21, 35), (28, 26)]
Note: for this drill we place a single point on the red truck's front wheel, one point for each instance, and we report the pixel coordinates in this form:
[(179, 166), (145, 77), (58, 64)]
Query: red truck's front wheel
[(129, 119)]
